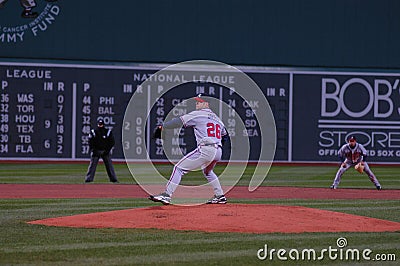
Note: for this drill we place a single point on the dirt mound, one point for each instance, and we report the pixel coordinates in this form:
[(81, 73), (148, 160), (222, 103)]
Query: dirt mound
[(244, 218)]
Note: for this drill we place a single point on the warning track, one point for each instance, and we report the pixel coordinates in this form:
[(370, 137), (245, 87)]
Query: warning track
[(10, 191)]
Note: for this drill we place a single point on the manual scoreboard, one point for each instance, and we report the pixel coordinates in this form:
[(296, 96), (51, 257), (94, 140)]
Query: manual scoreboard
[(47, 110)]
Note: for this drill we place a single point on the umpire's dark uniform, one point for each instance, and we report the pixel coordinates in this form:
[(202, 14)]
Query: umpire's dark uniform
[(101, 141)]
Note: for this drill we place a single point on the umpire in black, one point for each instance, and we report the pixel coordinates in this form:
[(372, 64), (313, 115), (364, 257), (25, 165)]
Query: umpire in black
[(101, 141)]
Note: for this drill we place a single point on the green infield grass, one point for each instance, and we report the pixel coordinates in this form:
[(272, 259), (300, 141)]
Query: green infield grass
[(299, 176), (25, 244)]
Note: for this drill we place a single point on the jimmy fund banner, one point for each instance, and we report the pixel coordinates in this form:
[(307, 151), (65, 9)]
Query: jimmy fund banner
[(328, 107)]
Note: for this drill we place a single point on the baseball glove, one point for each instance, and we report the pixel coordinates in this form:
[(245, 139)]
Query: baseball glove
[(157, 132), (359, 167)]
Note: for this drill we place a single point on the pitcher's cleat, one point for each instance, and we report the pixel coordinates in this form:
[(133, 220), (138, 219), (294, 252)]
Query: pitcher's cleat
[(217, 200), (164, 198), (333, 187), (378, 187)]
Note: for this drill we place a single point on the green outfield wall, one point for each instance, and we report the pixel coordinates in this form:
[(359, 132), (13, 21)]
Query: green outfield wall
[(340, 33)]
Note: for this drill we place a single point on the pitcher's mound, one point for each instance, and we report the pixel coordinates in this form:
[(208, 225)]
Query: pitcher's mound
[(246, 218)]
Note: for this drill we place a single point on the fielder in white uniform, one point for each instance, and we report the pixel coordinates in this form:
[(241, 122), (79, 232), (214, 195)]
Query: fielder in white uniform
[(353, 153), (210, 132)]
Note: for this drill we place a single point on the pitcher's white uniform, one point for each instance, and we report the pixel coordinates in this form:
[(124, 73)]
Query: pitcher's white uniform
[(208, 130)]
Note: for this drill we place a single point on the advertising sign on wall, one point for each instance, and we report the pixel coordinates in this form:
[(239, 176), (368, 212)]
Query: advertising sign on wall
[(330, 107)]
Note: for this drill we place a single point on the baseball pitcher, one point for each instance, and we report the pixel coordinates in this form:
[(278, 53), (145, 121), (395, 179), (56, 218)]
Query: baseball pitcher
[(210, 134), (353, 155)]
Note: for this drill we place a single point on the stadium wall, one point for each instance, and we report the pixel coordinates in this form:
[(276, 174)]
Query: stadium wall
[(313, 33)]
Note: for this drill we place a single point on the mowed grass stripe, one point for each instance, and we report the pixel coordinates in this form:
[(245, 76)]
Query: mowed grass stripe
[(142, 243), (176, 257), (192, 256), (75, 209), (294, 175), (157, 259), (362, 208), (152, 243)]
